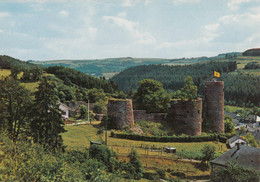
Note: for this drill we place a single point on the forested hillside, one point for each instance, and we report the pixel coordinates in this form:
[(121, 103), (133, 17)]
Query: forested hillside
[(241, 88), (71, 76), (111, 66), (7, 62)]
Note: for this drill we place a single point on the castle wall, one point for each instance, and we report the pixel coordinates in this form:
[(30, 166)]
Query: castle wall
[(120, 111), (141, 115), (185, 116), (214, 105)]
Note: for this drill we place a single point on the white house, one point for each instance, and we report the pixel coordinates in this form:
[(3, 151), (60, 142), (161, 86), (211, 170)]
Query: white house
[(236, 139), (65, 111)]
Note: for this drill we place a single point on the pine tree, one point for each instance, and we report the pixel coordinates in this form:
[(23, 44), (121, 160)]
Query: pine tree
[(47, 124)]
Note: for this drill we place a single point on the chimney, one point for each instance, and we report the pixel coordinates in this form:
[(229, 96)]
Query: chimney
[(238, 145)]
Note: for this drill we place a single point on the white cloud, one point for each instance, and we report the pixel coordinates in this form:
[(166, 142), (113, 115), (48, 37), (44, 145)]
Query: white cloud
[(64, 13), (242, 19), (4, 14), (212, 27), (122, 14), (185, 1), (165, 45), (129, 3), (92, 32), (133, 28), (211, 31), (235, 4)]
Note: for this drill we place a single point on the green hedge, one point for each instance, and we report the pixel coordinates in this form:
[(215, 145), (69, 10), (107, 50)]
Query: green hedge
[(204, 138)]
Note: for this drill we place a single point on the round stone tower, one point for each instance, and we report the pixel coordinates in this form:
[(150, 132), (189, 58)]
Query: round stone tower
[(214, 105), (185, 116), (120, 113)]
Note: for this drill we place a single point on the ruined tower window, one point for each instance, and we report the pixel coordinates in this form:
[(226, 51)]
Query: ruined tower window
[(198, 111), (188, 111)]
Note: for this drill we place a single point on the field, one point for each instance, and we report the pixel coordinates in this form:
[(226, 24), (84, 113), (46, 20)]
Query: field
[(4, 72), (78, 138)]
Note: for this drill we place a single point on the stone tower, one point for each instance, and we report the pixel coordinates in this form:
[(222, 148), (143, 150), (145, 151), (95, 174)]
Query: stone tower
[(120, 112), (214, 105), (185, 116)]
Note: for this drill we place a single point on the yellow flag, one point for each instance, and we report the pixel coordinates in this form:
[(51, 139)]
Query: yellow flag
[(216, 74)]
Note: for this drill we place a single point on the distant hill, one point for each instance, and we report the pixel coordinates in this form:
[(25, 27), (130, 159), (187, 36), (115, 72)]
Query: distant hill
[(7, 62), (111, 66), (252, 52), (68, 77), (242, 86)]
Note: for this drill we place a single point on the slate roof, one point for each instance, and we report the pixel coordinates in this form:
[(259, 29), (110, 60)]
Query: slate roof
[(248, 157)]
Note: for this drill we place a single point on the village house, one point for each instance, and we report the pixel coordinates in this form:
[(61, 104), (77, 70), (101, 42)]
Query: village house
[(242, 155), (65, 111), (236, 139)]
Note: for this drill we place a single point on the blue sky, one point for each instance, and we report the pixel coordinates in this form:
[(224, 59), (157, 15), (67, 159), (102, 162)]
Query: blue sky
[(93, 29)]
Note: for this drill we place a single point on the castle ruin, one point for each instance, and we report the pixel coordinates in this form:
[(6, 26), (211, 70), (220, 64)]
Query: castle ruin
[(185, 116), (214, 105), (121, 113)]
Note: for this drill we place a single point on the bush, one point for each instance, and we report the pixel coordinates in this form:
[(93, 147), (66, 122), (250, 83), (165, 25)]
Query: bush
[(104, 154), (233, 172), (161, 173), (183, 138), (150, 175), (134, 169)]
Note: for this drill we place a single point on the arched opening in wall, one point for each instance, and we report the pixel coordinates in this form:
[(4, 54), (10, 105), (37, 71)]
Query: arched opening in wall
[(199, 111)]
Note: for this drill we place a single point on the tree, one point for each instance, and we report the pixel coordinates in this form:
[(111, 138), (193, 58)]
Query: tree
[(134, 167), (229, 125), (103, 154), (151, 96), (15, 70), (235, 173), (208, 153), (99, 107), (95, 95), (47, 124), (251, 140), (15, 102), (189, 91)]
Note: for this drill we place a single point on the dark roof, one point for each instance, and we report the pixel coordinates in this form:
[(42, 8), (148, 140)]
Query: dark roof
[(234, 138), (248, 157)]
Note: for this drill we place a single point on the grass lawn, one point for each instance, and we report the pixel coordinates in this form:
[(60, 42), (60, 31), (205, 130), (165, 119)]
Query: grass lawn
[(78, 137)]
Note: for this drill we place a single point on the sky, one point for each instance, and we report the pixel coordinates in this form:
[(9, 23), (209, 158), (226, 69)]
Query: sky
[(96, 29)]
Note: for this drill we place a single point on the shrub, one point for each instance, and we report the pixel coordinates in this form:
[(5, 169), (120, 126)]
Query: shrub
[(233, 172), (104, 154), (161, 173), (134, 169)]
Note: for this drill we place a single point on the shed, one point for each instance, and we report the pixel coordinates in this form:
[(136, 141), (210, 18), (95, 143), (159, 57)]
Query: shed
[(169, 149)]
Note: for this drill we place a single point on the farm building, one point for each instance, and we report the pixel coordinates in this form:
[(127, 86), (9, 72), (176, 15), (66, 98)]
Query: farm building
[(245, 156), (236, 139), (65, 111)]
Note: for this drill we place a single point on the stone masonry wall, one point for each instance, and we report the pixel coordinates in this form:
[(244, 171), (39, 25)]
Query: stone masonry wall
[(214, 105), (185, 116), (141, 115), (120, 112)]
